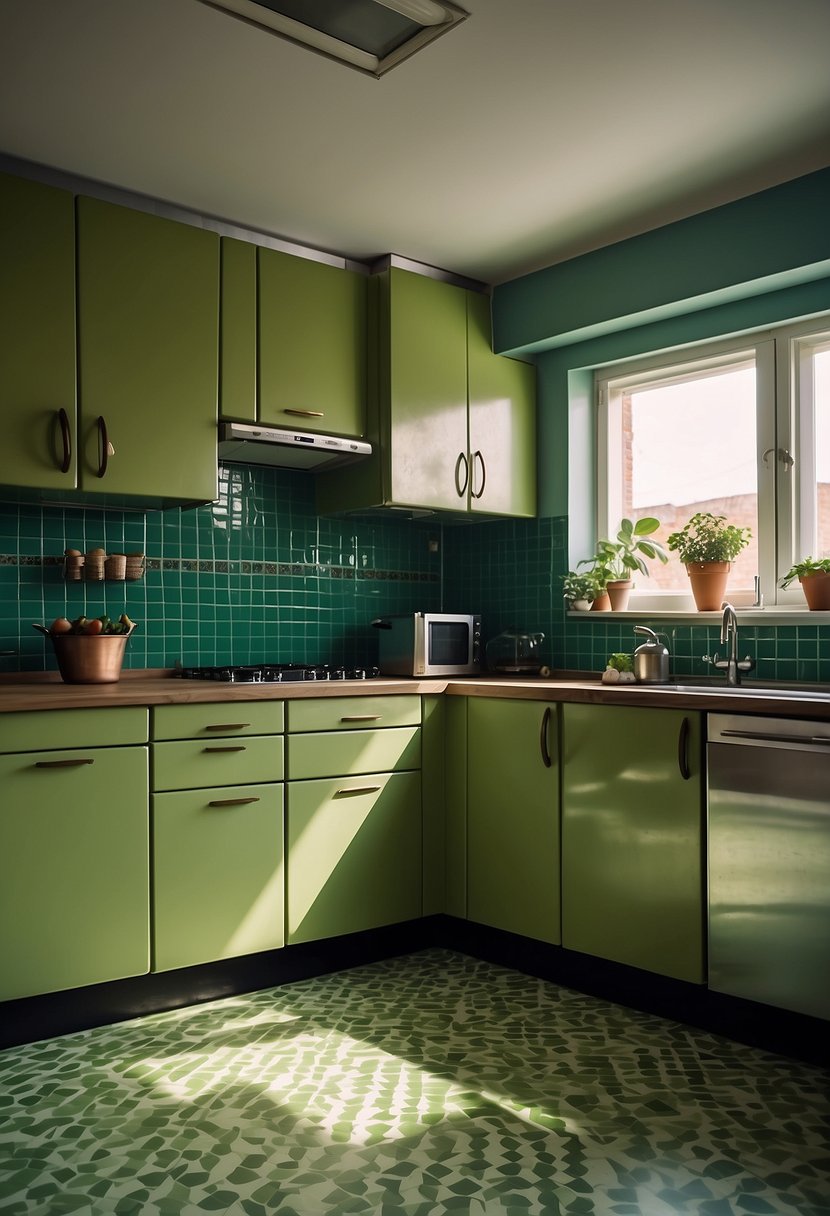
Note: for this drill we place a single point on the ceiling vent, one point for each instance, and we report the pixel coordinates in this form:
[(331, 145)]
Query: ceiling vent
[(370, 35)]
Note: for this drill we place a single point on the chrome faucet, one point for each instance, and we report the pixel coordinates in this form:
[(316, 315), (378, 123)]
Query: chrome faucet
[(732, 665)]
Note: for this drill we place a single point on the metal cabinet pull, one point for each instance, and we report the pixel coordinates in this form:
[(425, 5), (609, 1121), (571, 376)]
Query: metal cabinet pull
[(229, 726), (764, 737), (105, 448), (357, 789), (239, 748), (63, 763), (478, 456), (543, 739), (232, 801), (305, 413), (66, 440), (683, 750), (361, 718), (461, 488)]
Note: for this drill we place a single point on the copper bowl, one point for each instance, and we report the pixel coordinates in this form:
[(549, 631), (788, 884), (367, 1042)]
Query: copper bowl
[(89, 658)]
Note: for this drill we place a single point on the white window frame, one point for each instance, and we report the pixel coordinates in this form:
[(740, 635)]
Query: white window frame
[(781, 429)]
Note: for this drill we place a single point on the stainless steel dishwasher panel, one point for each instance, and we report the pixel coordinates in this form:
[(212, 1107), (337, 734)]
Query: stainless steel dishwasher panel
[(769, 861)]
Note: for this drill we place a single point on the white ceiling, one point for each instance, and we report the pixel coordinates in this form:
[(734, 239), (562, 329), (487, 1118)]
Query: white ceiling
[(535, 130)]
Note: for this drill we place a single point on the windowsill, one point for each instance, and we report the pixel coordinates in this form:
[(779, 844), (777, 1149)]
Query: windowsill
[(746, 616)]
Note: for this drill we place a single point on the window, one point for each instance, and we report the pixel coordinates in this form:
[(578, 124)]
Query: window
[(739, 429)]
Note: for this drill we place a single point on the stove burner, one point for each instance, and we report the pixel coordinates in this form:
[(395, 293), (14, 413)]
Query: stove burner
[(277, 673)]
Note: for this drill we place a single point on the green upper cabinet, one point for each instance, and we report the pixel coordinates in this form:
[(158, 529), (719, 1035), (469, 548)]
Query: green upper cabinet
[(502, 398), (237, 330), (148, 329), (423, 387), (453, 424), (632, 844), (37, 336), (513, 816)]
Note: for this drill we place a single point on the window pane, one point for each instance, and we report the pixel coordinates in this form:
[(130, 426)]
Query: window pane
[(821, 384), (690, 446)]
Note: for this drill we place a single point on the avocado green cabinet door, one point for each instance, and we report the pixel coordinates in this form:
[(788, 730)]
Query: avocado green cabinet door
[(312, 344), (632, 844), (502, 403), (148, 321), (217, 874), (37, 336), (354, 854), (238, 330), (513, 816), (424, 391), (74, 900)]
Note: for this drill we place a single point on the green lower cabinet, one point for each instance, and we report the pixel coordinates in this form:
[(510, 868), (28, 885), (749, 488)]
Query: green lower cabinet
[(74, 838), (353, 854), (513, 816), (217, 874), (632, 837)]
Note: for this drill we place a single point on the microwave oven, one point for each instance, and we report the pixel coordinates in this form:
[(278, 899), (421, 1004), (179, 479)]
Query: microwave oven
[(429, 644)]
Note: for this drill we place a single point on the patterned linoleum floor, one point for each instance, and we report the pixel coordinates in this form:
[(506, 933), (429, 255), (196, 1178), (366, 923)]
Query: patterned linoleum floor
[(432, 1085)]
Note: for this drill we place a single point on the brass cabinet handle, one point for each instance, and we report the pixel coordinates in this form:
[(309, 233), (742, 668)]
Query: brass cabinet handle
[(683, 750), (461, 489), (240, 747), (232, 801), (361, 718), (66, 440), (305, 413), (63, 763), (229, 726), (543, 739), (478, 456), (356, 789)]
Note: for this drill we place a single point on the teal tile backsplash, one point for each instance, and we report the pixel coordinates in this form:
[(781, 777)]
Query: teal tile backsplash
[(258, 575), (255, 576), (511, 571)]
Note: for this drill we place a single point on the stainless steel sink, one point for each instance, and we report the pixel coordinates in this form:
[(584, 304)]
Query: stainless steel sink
[(754, 688)]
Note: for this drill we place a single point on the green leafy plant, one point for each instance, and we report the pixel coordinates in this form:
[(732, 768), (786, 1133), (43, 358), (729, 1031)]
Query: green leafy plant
[(708, 538), (621, 662), (618, 559), (809, 565), (576, 586)]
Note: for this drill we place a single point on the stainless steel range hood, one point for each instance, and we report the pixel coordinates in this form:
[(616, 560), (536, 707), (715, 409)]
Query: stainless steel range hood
[(241, 443)]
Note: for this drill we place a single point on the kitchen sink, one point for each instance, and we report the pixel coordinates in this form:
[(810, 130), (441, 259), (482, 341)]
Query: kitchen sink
[(753, 688)]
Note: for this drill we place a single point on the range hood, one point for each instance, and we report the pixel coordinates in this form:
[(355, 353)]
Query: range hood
[(241, 443)]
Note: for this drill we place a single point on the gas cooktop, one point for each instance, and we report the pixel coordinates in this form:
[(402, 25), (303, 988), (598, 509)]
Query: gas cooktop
[(276, 673)]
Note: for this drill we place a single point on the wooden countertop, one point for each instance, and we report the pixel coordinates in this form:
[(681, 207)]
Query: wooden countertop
[(38, 691)]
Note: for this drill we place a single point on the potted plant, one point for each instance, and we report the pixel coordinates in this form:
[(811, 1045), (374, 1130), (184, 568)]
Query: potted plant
[(599, 573), (619, 559), (814, 576), (579, 589), (707, 545)]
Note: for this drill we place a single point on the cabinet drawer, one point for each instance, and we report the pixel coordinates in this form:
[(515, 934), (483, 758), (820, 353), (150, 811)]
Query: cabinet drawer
[(354, 713), (217, 718), (206, 908), (197, 763), (353, 751), (353, 854), (59, 728)]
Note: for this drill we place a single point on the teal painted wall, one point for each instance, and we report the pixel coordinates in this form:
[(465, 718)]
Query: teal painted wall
[(255, 576), (768, 241)]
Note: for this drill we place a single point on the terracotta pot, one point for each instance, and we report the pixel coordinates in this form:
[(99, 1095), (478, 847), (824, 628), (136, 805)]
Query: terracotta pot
[(619, 591), (816, 588), (602, 603), (708, 581)]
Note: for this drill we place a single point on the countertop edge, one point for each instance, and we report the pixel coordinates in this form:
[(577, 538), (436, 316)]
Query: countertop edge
[(28, 693)]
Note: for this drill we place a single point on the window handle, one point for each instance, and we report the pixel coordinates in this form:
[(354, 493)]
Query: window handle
[(780, 454)]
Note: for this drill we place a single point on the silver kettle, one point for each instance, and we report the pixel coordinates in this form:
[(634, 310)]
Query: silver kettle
[(651, 660)]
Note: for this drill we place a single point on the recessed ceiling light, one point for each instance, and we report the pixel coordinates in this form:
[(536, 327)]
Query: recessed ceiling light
[(370, 35)]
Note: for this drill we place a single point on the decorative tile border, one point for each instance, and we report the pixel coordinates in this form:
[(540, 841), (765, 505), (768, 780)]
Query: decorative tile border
[(191, 565)]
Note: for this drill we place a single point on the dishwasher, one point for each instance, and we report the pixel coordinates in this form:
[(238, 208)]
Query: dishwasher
[(769, 860)]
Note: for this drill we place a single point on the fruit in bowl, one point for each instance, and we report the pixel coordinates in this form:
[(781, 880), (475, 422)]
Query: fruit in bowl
[(88, 626), (89, 650)]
